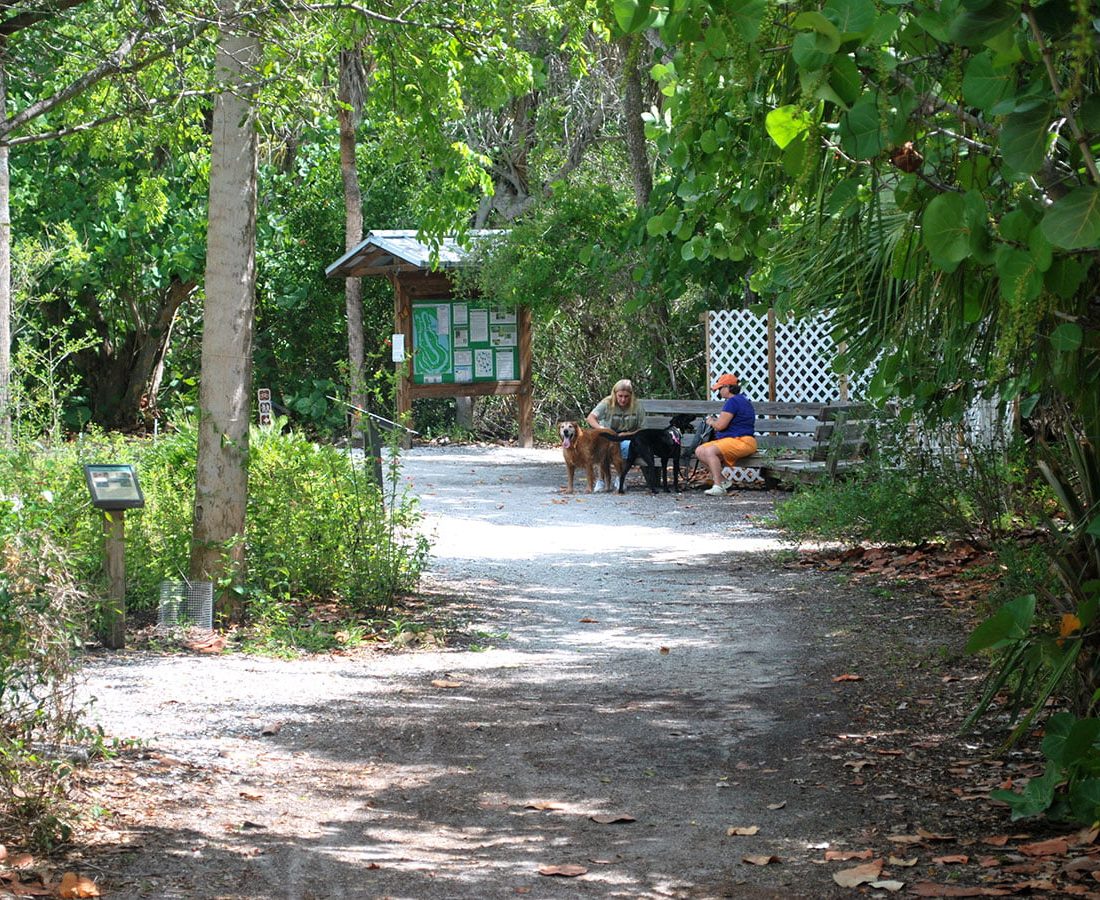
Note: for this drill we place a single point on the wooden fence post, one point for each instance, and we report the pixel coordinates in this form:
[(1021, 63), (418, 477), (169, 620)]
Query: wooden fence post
[(772, 379)]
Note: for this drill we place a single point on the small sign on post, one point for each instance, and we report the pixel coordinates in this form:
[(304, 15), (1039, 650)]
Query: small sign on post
[(263, 403), (114, 489)]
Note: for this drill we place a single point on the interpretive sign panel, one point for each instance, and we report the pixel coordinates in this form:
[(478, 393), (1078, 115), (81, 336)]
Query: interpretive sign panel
[(113, 486), (461, 341)]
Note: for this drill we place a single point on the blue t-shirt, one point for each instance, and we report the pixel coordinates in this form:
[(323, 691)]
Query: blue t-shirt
[(743, 423)]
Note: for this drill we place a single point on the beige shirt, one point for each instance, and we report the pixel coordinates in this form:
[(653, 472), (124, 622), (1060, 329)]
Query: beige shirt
[(610, 416)]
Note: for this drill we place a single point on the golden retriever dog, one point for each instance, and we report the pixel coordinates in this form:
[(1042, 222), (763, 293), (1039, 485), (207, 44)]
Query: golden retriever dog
[(584, 449)]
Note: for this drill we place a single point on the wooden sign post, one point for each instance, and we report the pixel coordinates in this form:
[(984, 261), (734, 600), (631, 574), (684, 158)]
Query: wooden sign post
[(114, 489), (114, 611)]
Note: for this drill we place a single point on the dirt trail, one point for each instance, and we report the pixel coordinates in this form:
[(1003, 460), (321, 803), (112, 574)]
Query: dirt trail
[(636, 656)]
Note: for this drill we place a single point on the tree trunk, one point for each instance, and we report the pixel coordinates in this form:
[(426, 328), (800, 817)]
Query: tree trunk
[(221, 478), (123, 377), (5, 264), (641, 174), (140, 395), (351, 100)]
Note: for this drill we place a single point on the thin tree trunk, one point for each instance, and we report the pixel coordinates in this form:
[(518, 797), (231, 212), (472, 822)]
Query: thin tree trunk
[(221, 478), (5, 264), (641, 174), (351, 100)]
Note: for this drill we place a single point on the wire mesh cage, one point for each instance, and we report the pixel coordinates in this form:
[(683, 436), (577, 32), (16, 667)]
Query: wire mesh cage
[(186, 604)]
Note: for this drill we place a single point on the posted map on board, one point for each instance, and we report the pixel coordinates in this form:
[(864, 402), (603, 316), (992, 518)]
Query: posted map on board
[(434, 355), (461, 341)]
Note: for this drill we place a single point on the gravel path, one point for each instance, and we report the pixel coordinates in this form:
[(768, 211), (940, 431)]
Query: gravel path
[(647, 658)]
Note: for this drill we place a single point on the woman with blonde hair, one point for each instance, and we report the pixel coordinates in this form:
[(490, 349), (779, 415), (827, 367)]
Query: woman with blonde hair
[(620, 410)]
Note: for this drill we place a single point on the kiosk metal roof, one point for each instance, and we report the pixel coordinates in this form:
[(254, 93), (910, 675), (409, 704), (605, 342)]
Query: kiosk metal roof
[(382, 252)]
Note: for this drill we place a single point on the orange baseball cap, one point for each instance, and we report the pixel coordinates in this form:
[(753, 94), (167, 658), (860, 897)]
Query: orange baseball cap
[(726, 379)]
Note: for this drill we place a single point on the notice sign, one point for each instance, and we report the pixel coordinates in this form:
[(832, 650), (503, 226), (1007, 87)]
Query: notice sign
[(263, 405), (460, 341), (113, 486)]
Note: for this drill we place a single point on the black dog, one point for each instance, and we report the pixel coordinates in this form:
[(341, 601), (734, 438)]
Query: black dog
[(651, 444)]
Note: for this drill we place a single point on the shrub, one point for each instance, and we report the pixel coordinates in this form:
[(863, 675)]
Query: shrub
[(879, 505), (316, 524), (41, 616)]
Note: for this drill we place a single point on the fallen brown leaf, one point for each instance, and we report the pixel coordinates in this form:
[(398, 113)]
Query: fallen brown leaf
[(759, 860), (1086, 836), (75, 886), (566, 871), (778, 805), (901, 863), (951, 859), (544, 804), (213, 643), (271, 728), (742, 830), (444, 683), (845, 855), (848, 677), (1052, 847), (588, 620), (664, 651), (612, 818), (858, 874), (892, 886)]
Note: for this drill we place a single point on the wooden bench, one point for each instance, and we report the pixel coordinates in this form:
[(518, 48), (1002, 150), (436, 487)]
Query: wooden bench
[(798, 442)]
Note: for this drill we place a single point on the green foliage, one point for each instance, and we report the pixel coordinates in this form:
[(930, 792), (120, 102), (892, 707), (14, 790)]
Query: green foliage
[(317, 526), (1053, 650), (42, 614), (923, 161), (1070, 786), (887, 506), (568, 259), (45, 396)]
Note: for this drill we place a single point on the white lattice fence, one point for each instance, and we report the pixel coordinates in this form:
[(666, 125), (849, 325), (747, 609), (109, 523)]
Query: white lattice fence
[(738, 342), (804, 353)]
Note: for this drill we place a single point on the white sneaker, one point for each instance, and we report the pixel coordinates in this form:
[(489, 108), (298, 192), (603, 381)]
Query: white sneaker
[(716, 491), (727, 477), (598, 488), (615, 483)]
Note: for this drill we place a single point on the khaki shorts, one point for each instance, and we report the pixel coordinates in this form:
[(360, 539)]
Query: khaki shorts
[(735, 448)]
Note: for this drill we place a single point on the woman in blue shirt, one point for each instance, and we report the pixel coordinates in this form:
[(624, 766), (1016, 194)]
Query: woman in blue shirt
[(734, 427)]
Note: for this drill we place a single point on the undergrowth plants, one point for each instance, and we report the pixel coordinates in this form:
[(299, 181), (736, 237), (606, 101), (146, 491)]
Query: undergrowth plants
[(318, 527), (1046, 647), (42, 623)]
